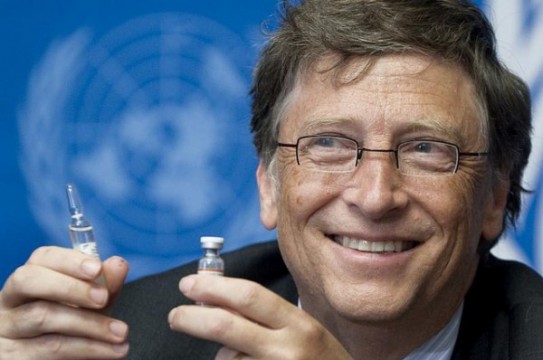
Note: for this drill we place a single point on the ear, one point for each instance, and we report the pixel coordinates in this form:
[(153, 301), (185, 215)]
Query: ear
[(495, 209), (267, 193)]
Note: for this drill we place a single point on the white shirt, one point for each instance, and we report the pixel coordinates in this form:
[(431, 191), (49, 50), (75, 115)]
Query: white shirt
[(441, 346)]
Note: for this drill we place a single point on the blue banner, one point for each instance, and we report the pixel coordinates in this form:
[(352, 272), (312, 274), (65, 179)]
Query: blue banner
[(144, 106), (519, 31)]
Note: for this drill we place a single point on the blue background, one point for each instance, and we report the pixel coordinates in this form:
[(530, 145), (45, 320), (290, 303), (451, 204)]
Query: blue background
[(87, 95)]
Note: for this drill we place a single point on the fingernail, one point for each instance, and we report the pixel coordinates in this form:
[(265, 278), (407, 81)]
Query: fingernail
[(118, 328), (186, 284), (121, 262), (171, 315), (91, 267), (98, 295), (121, 348)]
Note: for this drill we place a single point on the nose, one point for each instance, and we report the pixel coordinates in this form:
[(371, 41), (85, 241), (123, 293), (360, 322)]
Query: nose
[(375, 186)]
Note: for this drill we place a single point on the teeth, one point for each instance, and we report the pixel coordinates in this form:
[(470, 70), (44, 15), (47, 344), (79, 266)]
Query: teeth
[(378, 247), (363, 245), (374, 246), (389, 246)]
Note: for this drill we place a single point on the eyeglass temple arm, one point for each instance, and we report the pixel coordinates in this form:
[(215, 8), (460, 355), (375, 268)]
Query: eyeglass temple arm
[(473, 153), (286, 145)]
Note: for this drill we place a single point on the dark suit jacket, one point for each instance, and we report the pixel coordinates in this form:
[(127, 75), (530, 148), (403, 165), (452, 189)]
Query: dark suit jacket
[(502, 319)]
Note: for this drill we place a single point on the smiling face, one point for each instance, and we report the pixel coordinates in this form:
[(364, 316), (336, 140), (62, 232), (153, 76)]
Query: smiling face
[(374, 245)]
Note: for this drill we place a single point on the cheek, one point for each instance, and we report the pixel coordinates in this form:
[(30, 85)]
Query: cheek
[(470, 192), (302, 194), (300, 197), (455, 207), (459, 211), (292, 201), (456, 203)]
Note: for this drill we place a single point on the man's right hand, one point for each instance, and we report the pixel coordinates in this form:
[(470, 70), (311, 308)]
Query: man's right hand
[(53, 307)]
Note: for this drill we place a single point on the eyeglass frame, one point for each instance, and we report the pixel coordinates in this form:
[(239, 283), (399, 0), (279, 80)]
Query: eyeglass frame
[(360, 150)]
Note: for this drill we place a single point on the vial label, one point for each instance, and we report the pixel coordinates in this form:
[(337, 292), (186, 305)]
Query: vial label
[(210, 272), (88, 248), (82, 229)]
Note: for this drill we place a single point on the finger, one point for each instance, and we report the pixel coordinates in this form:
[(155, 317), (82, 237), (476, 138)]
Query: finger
[(66, 261), (41, 317), (32, 282), (303, 338), (115, 270), (60, 347), (246, 297), (220, 325), (226, 353)]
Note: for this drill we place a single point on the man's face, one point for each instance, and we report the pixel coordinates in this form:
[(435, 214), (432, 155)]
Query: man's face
[(322, 219)]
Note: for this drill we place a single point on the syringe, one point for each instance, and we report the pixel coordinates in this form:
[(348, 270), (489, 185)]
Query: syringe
[(81, 231)]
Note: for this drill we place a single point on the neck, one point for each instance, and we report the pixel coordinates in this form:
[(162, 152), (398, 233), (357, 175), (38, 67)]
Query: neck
[(383, 340)]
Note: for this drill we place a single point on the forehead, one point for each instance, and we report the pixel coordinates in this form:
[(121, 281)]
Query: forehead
[(406, 91)]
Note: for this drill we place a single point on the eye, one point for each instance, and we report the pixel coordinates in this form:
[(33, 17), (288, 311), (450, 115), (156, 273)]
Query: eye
[(317, 141), (330, 142), (422, 147)]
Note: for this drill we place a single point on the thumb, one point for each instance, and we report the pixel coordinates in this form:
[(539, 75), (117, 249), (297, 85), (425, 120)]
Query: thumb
[(115, 270)]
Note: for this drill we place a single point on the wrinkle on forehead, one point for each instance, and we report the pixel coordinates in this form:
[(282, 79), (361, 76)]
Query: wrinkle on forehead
[(329, 70)]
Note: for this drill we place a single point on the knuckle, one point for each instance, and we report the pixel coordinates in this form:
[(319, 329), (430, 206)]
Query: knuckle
[(306, 331), (36, 315), (30, 319), (220, 326), (18, 279), (51, 343), (248, 296), (40, 253), (9, 349), (312, 331), (70, 287)]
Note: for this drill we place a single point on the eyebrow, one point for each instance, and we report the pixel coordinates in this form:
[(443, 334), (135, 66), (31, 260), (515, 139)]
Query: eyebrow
[(426, 125), (317, 124), (434, 126)]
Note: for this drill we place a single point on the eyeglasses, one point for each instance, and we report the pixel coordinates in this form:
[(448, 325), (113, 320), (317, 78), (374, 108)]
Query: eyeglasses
[(333, 153)]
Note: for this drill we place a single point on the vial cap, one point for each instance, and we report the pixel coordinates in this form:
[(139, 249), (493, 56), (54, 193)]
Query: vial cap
[(212, 242)]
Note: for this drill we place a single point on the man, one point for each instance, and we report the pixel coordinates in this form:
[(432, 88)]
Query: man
[(392, 144)]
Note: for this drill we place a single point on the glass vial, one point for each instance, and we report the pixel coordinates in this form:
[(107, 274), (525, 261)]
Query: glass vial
[(81, 230), (211, 263)]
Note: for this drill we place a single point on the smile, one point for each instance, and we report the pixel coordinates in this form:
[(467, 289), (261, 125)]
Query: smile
[(374, 246)]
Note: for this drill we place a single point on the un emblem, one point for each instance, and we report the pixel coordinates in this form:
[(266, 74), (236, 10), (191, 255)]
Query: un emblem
[(151, 122)]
